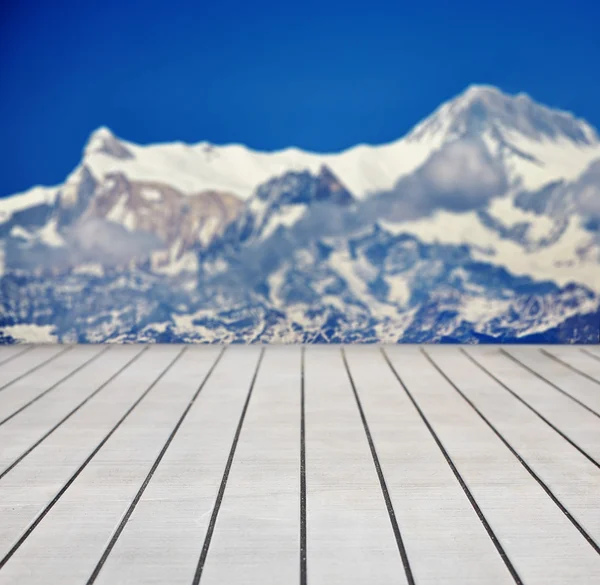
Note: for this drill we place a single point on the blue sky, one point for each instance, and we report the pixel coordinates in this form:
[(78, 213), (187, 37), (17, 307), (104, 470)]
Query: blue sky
[(320, 75)]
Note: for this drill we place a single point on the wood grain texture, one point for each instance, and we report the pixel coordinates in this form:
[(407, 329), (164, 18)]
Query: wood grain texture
[(433, 511), (561, 378), (542, 544), (163, 540), (39, 478), (318, 465), (25, 427), (28, 363), (582, 361), (578, 424), (47, 379), (349, 533), (561, 468), (256, 539)]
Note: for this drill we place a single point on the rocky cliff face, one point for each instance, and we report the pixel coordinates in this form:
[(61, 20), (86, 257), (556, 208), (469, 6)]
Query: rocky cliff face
[(115, 219)]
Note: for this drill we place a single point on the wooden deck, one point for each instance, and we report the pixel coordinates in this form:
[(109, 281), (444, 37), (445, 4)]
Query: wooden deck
[(281, 465)]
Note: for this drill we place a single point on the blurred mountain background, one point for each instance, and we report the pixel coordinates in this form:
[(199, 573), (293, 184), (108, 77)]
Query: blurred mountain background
[(481, 223)]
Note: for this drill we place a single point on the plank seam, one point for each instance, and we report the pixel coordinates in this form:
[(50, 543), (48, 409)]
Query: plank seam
[(520, 459), (140, 493), (383, 485), (490, 532), (19, 354), (592, 355), (80, 469), (303, 549), (55, 385), (569, 366), (530, 407), (70, 414), (550, 383), (35, 368), (221, 492)]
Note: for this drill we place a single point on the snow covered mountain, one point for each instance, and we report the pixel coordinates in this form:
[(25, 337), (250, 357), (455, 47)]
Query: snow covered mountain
[(113, 220), (482, 223), (539, 143)]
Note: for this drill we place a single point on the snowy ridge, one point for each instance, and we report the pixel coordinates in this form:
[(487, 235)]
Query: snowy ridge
[(556, 262), (239, 170), (36, 196), (564, 146), (482, 224)]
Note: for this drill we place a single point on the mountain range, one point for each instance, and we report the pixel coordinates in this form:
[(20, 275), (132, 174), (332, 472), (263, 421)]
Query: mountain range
[(480, 225)]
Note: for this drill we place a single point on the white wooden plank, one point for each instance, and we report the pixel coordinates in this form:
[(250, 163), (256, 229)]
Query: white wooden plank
[(18, 434), (36, 480), (573, 479), (591, 349), (68, 544), (435, 516), (577, 423), (10, 352), (588, 364), (163, 539), (582, 389), (18, 368), (539, 540), (350, 539), (21, 392), (257, 535)]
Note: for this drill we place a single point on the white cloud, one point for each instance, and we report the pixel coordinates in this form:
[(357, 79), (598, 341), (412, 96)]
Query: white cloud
[(461, 176)]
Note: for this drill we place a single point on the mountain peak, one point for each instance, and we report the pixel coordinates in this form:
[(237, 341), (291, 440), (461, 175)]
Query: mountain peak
[(482, 109), (302, 187), (476, 90), (103, 141), (330, 188)]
